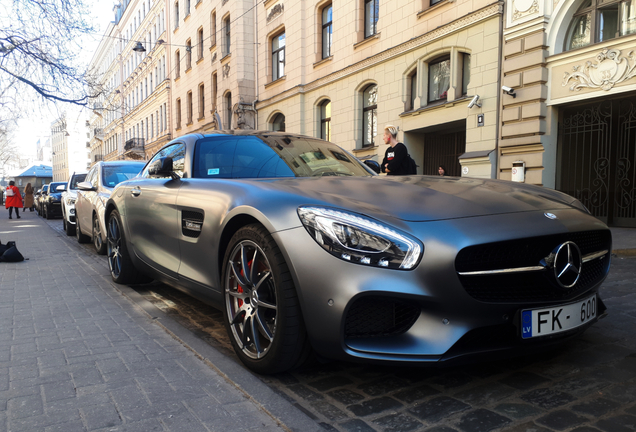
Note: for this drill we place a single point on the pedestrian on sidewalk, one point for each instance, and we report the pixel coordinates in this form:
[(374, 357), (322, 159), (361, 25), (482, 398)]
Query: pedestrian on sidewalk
[(28, 197), (396, 156), (14, 199)]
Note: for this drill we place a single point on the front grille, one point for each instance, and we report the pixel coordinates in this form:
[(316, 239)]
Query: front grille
[(191, 217), (537, 286), (374, 316)]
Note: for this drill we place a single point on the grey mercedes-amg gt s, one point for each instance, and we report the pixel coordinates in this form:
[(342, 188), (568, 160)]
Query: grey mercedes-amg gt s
[(306, 249)]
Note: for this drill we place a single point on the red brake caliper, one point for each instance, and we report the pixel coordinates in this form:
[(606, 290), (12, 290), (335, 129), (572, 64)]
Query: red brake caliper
[(239, 289)]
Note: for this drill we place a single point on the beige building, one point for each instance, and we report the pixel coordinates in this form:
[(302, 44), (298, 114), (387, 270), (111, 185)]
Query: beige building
[(342, 70), (573, 120), (68, 144)]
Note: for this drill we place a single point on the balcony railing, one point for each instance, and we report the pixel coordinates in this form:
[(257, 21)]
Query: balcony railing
[(98, 158), (134, 143)]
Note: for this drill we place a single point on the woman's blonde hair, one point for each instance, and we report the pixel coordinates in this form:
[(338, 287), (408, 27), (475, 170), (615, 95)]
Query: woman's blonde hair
[(393, 130)]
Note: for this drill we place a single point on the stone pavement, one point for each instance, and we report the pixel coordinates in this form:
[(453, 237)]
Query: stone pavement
[(76, 354)]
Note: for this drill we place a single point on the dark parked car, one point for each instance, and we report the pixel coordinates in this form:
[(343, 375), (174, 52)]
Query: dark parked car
[(52, 202), (92, 194), (305, 248), (39, 198)]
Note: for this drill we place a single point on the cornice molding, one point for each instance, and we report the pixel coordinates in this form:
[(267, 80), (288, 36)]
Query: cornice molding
[(387, 55)]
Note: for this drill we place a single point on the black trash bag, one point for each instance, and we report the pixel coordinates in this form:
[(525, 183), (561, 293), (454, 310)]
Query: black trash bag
[(11, 255), (3, 248)]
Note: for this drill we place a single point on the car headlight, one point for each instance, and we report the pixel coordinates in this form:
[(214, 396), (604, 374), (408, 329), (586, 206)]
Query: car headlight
[(359, 239), (70, 201)]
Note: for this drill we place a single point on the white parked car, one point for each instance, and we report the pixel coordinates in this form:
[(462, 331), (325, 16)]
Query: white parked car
[(68, 202)]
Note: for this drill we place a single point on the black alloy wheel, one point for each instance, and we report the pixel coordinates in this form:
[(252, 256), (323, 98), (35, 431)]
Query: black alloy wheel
[(81, 238), (47, 213), (122, 270), (99, 244), (262, 312)]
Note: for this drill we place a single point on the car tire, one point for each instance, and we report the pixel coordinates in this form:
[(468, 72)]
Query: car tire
[(122, 270), (47, 213), (70, 229), (100, 245), (81, 238), (261, 311)]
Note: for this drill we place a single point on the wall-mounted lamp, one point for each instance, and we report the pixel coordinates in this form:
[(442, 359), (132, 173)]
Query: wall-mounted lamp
[(139, 48)]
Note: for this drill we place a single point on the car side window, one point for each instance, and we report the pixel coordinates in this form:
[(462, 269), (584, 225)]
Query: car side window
[(214, 157), (176, 152), (255, 159)]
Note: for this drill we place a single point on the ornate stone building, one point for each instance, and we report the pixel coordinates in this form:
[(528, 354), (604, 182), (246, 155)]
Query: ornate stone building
[(343, 70), (573, 120)]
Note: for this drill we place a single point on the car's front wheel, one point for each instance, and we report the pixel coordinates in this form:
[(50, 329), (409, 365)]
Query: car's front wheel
[(121, 267), (99, 244), (262, 311), (81, 238), (68, 227)]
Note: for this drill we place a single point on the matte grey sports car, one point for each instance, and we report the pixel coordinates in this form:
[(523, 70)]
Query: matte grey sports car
[(305, 249)]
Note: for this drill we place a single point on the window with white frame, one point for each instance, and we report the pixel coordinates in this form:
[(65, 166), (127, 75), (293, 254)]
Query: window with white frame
[(327, 30), (371, 12), (278, 56)]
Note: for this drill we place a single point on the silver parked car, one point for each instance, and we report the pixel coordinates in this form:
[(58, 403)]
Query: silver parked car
[(305, 248), (92, 195), (68, 202)]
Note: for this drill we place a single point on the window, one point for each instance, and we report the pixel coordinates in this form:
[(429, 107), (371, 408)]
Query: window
[(212, 29), (371, 9), (189, 107), (327, 30), (278, 123), (369, 115), (214, 92), (200, 44), (465, 72), (188, 54), (278, 56), (201, 101), (600, 21), (438, 79), (178, 114), (177, 64), (226, 25), (325, 120), (187, 11), (176, 15), (413, 90), (228, 110)]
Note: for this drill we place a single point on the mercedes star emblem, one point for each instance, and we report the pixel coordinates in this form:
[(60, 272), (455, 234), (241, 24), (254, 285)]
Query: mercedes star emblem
[(550, 215), (567, 264)]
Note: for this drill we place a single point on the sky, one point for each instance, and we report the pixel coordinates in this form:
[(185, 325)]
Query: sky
[(35, 127)]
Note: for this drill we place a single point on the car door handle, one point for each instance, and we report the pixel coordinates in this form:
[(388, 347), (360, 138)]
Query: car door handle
[(135, 192)]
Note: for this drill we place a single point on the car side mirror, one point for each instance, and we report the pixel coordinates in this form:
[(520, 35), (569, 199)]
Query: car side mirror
[(162, 167), (85, 186), (374, 165)]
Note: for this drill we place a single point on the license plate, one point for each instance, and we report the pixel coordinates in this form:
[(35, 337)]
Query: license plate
[(547, 321)]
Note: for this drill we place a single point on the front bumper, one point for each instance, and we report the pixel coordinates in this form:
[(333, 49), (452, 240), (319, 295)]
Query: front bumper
[(430, 316)]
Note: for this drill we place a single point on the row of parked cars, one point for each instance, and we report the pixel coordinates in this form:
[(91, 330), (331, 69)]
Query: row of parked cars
[(306, 250)]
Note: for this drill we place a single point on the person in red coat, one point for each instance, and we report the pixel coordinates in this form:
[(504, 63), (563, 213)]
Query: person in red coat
[(13, 199)]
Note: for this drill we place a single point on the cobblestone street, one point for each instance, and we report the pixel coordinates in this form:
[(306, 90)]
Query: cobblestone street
[(586, 385)]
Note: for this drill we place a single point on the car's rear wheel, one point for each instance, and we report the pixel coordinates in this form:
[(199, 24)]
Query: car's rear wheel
[(262, 311), (122, 270), (81, 238), (47, 214), (99, 244)]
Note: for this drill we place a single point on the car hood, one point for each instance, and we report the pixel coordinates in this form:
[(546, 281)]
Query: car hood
[(424, 198)]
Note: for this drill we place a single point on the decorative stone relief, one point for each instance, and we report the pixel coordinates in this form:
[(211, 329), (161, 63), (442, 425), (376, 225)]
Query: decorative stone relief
[(245, 115), (214, 57), (522, 8), (226, 71), (275, 11), (610, 70)]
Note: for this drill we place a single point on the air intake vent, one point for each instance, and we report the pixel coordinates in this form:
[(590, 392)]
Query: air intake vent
[(191, 223), (374, 316)]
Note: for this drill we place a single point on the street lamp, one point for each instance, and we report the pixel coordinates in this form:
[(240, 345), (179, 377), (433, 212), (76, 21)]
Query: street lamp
[(139, 48)]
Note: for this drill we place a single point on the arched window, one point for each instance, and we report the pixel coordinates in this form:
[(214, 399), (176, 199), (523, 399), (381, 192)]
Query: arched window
[(600, 21), (325, 120), (369, 115), (278, 123)]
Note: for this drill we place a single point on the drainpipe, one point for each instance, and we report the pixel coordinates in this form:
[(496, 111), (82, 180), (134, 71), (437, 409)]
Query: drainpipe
[(499, 111), (256, 3)]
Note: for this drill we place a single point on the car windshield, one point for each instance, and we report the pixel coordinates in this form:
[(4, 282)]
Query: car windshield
[(77, 178), (45, 188), (53, 187), (112, 175), (272, 156)]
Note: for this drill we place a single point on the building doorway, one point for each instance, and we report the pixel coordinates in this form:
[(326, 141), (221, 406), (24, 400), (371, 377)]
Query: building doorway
[(597, 158), (438, 145)]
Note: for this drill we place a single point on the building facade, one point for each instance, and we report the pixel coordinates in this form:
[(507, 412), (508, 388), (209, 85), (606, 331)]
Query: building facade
[(573, 121), (341, 71)]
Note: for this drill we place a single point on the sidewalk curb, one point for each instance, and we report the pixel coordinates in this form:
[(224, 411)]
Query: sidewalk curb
[(272, 403)]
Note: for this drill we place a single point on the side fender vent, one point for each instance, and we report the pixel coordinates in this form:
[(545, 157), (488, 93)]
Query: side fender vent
[(191, 223)]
